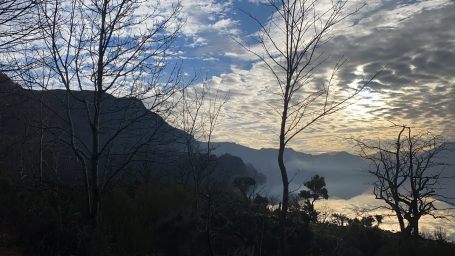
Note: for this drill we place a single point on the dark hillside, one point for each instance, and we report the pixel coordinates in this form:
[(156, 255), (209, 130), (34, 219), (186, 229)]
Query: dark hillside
[(32, 119), (35, 123)]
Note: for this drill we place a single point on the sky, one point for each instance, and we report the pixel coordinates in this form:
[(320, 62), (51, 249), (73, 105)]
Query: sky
[(412, 43)]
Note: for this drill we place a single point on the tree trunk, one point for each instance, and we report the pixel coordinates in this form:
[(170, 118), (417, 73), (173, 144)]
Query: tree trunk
[(415, 226), (401, 222), (284, 174), (208, 225), (94, 162), (285, 199), (97, 97), (96, 198)]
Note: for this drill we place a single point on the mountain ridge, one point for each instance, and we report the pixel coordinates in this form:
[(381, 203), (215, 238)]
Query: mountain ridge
[(30, 118), (346, 174)]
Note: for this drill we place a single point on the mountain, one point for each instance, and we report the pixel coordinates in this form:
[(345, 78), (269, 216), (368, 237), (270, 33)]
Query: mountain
[(346, 174), (34, 121), (447, 183), (35, 137)]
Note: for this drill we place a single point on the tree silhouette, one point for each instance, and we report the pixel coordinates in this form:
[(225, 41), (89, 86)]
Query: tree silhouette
[(18, 22), (379, 218), (244, 184), (290, 42), (317, 191), (95, 50), (197, 114), (408, 175), (340, 219)]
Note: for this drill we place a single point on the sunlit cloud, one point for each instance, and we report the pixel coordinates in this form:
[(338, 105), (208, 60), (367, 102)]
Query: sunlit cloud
[(411, 43)]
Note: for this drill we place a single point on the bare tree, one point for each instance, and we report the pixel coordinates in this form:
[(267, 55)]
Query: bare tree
[(18, 26), (408, 175), (95, 51), (290, 44), (197, 115), (17, 22)]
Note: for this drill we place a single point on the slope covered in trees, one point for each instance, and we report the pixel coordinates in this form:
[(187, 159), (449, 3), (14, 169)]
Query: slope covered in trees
[(34, 125)]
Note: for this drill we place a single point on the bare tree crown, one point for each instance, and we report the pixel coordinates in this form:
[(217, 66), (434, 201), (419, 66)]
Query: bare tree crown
[(409, 175)]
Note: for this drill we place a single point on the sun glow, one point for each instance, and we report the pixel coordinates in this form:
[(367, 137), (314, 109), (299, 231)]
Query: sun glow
[(365, 103)]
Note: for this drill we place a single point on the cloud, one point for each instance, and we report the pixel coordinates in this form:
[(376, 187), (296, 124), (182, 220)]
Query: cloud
[(412, 42), (207, 34), (416, 58), (206, 20)]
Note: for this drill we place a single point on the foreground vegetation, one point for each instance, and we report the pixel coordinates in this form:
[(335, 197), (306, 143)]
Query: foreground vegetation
[(169, 219)]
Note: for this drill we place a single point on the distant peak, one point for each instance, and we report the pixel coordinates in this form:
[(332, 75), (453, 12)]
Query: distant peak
[(335, 153)]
